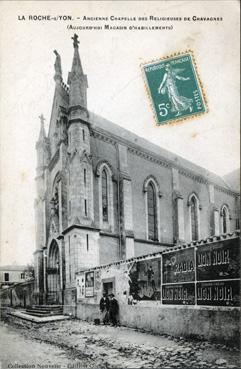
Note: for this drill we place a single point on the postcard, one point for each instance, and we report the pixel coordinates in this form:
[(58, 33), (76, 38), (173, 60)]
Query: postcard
[(119, 165)]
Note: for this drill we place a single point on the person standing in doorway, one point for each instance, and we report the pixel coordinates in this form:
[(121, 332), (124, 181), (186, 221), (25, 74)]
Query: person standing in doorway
[(113, 311), (104, 308)]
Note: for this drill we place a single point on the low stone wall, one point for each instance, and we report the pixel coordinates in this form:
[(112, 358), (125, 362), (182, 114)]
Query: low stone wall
[(69, 307), (87, 312), (216, 324), (18, 295), (4, 311)]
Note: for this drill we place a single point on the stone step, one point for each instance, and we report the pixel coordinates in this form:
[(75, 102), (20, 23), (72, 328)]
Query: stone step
[(40, 315), (45, 312), (38, 319), (46, 307)]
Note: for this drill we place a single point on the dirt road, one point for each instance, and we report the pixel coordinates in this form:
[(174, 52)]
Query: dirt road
[(17, 350), (78, 344)]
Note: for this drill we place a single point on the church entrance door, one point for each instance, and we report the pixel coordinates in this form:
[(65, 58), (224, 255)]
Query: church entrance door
[(54, 295)]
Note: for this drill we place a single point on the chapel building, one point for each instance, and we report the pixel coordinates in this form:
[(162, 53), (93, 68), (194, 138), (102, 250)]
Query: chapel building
[(104, 194)]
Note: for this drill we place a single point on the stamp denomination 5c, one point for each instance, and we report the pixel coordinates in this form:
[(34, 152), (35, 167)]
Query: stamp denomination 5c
[(174, 87)]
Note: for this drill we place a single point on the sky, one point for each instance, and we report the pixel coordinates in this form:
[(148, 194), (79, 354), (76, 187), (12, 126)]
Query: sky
[(111, 59)]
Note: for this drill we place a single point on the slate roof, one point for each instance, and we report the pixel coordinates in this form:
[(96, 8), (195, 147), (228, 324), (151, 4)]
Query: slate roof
[(233, 179), (108, 127)]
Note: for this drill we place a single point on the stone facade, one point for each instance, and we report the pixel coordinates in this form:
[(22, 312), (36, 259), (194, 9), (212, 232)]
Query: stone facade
[(93, 202)]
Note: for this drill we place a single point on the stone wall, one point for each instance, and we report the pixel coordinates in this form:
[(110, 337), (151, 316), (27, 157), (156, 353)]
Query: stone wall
[(225, 199), (104, 151), (187, 321), (81, 250), (152, 247), (70, 301), (139, 168), (19, 295), (206, 323), (109, 249)]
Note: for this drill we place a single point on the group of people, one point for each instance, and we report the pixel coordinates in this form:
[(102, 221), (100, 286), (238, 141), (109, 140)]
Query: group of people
[(109, 309)]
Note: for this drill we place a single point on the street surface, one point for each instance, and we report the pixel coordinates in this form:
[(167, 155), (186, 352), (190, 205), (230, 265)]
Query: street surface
[(78, 344), (16, 349)]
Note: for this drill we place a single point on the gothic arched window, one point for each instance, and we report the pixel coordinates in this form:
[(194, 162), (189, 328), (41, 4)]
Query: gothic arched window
[(153, 194), (104, 183), (225, 219), (152, 212), (194, 218)]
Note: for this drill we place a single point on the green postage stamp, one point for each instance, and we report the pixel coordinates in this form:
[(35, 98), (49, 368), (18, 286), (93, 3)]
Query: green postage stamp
[(174, 88)]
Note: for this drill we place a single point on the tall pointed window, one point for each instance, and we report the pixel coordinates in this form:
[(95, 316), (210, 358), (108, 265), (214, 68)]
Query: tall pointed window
[(152, 196), (106, 206), (194, 218), (104, 196), (225, 220), (152, 212)]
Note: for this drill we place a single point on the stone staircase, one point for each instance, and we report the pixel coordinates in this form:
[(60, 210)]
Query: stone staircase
[(45, 310)]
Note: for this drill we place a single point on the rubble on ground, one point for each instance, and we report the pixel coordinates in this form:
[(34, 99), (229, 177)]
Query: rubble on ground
[(110, 347)]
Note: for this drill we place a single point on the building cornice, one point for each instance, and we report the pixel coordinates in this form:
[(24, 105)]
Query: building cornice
[(154, 243), (225, 190), (109, 234), (79, 226), (96, 133), (77, 120)]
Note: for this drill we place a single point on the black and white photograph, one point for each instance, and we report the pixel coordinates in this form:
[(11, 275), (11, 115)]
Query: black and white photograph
[(120, 184)]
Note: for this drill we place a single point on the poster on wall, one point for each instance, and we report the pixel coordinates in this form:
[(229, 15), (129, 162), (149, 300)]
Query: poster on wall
[(89, 284), (219, 293), (178, 266), (145, 280), (219, 260), (178, 294), (80, 286), (97, 279)]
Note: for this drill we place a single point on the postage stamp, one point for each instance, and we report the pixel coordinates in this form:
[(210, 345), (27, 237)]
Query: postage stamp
[(174, 87)]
